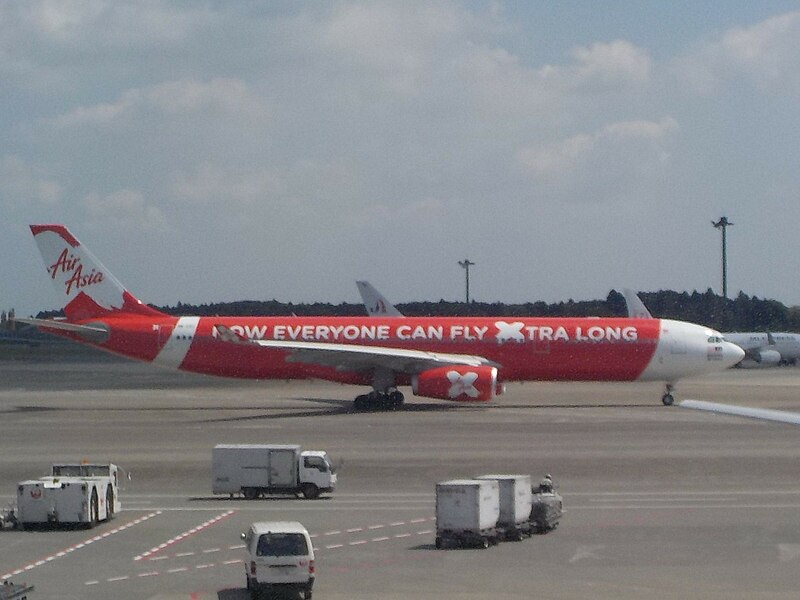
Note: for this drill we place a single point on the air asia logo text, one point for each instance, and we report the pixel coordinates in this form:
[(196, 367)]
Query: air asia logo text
[(69, 263), (462, 384)]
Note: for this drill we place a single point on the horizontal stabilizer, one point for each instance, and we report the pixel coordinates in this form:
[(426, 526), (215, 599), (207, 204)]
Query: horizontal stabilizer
[(744, 411), (95, 333)]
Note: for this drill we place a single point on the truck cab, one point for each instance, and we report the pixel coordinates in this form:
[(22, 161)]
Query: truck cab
[(317, 470)]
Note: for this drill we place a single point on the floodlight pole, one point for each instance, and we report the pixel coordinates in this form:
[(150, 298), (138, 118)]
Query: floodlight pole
[(466, 263), (723, 224)]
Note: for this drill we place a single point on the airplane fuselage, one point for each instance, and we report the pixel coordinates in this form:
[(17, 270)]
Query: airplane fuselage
[(529, 349)]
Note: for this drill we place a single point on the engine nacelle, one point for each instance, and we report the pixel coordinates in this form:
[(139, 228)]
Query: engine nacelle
[(760, 358), (460, 383)]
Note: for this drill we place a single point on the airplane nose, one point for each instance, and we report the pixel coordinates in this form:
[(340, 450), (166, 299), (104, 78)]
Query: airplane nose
[(732, 354)]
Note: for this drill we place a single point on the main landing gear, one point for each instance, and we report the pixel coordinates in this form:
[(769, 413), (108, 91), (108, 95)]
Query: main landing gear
[(387, 400), (667, 398)]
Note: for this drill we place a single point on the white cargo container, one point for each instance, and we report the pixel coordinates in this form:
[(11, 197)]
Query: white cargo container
[(72, 494), (254, 470), (466, 512), (515, 504)]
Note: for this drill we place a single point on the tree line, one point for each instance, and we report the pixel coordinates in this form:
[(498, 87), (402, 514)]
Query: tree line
[(743, 313)]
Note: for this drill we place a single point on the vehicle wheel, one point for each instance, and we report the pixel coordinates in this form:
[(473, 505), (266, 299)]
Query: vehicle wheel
[(310, 491), (667, 399), (439, 543), (94, 509), (307, 595), (484, 543), (109, 502), (250, 493), (396, 400), (360, 403)]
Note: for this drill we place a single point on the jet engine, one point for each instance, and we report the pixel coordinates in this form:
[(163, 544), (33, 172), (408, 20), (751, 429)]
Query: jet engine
[(458, 382), (760, 357)]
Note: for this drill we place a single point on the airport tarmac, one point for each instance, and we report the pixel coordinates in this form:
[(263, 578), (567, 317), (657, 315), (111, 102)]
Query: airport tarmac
[(662, 502)]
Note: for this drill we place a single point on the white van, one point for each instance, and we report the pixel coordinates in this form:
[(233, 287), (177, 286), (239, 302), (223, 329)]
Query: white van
[(280, 559)]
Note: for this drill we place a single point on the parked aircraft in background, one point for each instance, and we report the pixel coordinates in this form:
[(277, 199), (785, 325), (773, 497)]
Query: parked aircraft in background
[(762, 349), (375, 302), (765, 349), (450, 358)]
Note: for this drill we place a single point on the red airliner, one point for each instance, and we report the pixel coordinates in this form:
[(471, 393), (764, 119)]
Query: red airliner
[(451, 358)]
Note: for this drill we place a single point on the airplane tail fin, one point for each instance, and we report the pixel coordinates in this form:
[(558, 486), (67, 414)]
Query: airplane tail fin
[(636, 308), (87, 288), (374, 301)]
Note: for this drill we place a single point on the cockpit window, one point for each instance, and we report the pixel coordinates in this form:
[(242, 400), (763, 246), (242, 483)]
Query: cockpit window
[(715, 339)]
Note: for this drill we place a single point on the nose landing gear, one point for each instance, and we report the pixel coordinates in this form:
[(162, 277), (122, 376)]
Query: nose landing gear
[(667, 398)]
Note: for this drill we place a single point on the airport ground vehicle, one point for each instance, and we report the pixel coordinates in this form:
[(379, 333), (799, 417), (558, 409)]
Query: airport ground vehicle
[(82, 494), (255, 470), (8, 517), (280, 559), (14, 591), (513, 522), (546, 510), (467, 511)]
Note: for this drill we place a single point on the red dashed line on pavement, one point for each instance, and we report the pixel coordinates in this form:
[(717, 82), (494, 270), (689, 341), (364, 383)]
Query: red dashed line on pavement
[(183, 535), (78, 546), (239, 562)]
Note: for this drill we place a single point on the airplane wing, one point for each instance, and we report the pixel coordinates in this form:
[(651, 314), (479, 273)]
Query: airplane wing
[(375, 302), (744, 411), (354, 357)]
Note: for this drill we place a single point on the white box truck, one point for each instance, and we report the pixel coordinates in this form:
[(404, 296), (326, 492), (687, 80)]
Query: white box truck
[(254, 470), (515, 505), (75, 494), (466, 512)]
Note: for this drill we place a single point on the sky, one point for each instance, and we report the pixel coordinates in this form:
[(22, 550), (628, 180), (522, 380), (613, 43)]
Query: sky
[(243, 150)]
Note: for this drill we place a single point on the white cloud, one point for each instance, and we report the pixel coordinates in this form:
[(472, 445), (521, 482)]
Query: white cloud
[(766, 54), (559, 158), (22, 184), (224, 95), (399, 42), (126, 209), (84, 23), (613, 64), (212, 184)]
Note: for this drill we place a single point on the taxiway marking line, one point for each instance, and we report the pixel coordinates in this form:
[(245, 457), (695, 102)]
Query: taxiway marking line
[(183, 535), (83, 544), (187, 569)]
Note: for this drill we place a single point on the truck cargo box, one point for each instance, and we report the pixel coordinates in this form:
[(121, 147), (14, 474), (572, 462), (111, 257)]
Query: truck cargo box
[(467, 511), (237, 467), (515, 498)]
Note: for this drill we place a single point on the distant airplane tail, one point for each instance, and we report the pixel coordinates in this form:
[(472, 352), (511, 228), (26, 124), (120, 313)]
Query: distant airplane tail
[(636, 308), (375, 303), (87, 288)]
